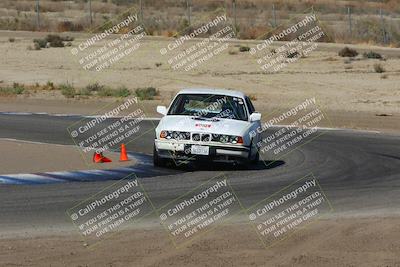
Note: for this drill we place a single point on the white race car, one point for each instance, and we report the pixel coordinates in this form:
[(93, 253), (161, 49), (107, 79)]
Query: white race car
[(207, 124)]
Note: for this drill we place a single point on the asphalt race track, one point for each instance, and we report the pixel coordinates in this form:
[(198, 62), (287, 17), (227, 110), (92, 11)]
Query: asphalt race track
[(359, 172)]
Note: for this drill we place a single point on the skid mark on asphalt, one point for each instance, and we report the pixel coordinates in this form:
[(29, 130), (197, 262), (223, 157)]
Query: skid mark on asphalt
[(143, 168)]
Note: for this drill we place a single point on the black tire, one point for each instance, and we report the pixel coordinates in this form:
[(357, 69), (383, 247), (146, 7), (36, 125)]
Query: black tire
[(256, 157), (157, 161)]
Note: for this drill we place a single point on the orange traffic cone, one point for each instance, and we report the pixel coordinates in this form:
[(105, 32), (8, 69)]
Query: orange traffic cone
[(99, 158), (105, 160), (124, 155)]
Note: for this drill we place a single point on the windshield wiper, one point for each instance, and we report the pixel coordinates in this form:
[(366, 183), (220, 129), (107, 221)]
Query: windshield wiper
[(200, 118)]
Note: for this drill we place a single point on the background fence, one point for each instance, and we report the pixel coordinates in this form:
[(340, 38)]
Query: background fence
[(345, 21)]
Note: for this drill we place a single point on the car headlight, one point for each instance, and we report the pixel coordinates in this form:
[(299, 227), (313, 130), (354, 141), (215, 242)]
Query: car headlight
[(236, 140), (196, 137), (206, 138), (163, 134), (175, 135), (223, 138)]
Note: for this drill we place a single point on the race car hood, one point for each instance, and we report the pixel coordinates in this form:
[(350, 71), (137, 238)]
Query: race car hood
[(200, 125)]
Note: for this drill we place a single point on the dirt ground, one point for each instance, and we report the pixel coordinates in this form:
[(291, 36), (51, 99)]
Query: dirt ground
[(328, 242), (349, 92), (29, 157)]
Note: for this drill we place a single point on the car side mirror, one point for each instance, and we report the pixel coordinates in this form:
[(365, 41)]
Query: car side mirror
[(162, 110), (255, 116)]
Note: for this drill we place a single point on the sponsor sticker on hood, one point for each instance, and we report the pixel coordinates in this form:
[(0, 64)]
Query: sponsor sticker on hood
[(202, 125)]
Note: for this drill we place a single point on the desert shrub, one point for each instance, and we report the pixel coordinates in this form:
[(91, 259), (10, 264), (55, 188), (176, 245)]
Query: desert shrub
[(244, 48), (292, 54), (372, 54), (153, 27), (11, 40), (330, 59), (348, 52), (105, 92), (158, 64), (54, 6), (105, 26), (184, 27), (49, 86), (94, 87), (67, 38), (384, 76), (169, 33), (67, 90), (122, 92), (147, 93), (23, 6), (39, 43), (109, 92), (368, 29), (69, 26), (6, 91), (329, 33), (253, 97), (121, 2), (84, 91), (16, 89), (253, 32), (395, 36), (378, 68), (232, 52), (36, 46), (347, 61), (55, 40)]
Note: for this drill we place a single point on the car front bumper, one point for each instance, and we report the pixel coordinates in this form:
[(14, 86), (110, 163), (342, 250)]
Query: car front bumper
[(182, 150)]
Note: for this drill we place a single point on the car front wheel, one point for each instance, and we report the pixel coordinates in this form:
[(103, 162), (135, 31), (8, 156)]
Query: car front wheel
[(157, 161), (256, 157)]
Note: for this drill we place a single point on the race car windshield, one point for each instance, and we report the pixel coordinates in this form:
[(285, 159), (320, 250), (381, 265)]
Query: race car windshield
[(209, 106)]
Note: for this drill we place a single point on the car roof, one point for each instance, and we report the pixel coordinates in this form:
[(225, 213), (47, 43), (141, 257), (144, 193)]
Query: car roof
[(212, 91)]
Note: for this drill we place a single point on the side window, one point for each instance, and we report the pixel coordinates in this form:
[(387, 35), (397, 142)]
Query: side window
[(250, 105)]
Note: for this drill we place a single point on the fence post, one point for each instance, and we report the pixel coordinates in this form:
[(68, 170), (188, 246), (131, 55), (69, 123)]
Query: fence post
[(37, 15), (141, 11), (350, 22), (90, 13), (384, 34), (234, 15), (274, 14), (189, 11)]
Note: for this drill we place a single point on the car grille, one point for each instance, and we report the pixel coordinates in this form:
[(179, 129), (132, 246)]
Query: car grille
[(203, 137), (196, 137), (178, 135)]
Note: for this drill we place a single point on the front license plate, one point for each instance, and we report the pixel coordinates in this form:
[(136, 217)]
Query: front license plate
[(200, 150)]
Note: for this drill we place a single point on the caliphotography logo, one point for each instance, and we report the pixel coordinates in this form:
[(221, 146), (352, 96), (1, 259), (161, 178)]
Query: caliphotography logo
[(199, 133)]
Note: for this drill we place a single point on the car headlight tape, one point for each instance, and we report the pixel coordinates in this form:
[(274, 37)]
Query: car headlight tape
[(205, 137)]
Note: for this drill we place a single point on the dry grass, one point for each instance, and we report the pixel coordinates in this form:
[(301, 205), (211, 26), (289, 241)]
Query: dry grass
[(379, 68)]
